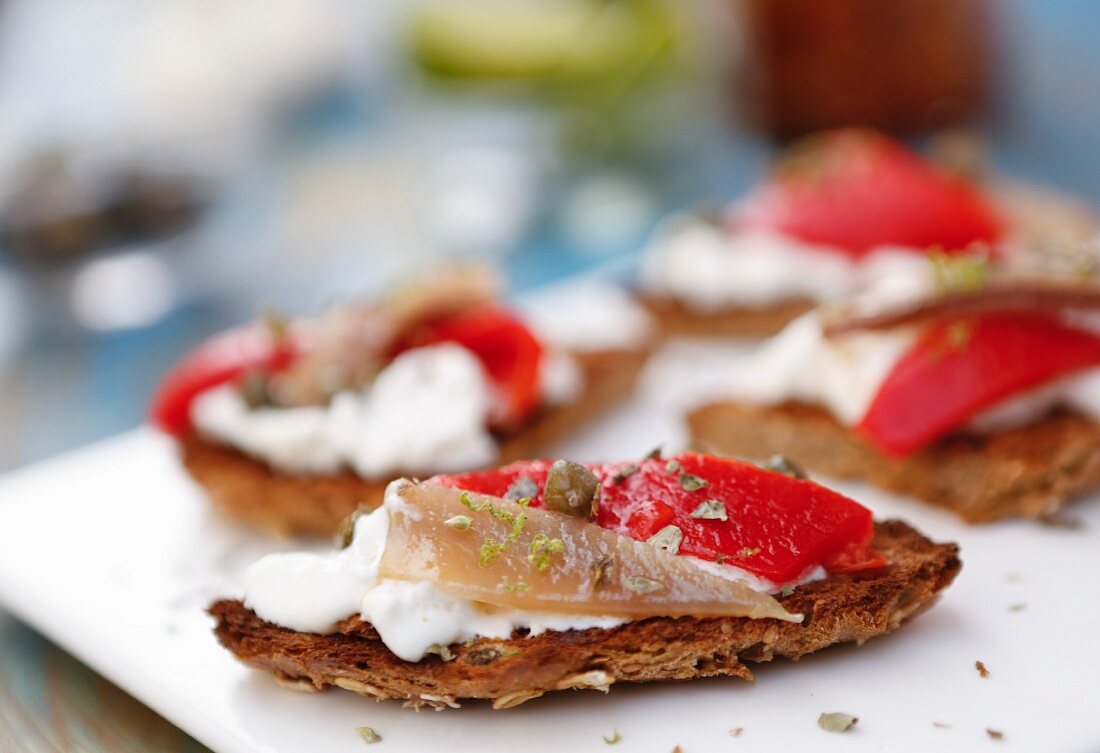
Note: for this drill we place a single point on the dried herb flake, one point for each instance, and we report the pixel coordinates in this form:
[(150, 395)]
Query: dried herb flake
[(368, 735), (523, 487), (786, 466), (837, 722), (443, 652), (643, 585), (667, 540), (601, 571), (623, 474), (690, 482), (710, 509)]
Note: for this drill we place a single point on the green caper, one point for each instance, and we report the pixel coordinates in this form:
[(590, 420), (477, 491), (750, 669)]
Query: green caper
[(784, 465), (275, 322), (571, 489), (346, 532), (254, 389)]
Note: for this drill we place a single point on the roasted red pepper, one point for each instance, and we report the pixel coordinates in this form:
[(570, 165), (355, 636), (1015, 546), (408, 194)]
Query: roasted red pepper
[(508, 351), (503, 344), (776, 527), (221, 359), (857, 190), (959, 368)]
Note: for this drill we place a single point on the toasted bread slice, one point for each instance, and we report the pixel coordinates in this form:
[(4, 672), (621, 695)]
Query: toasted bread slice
[(1027, 471), (838, 609), (290, 504)]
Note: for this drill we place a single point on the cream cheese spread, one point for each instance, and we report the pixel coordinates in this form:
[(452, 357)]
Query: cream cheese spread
[(844, 374), (708, 268), (425, 413)]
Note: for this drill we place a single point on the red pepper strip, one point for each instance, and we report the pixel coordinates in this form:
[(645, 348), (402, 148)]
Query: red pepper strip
[(958, 369), (777, 527), (858, 190), (508, 351), (221, 359)]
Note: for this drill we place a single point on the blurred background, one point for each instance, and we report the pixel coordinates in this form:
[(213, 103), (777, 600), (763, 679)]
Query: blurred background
[(169, 166)]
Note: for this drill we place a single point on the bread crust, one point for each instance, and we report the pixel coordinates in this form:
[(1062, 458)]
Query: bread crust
[(838, 609), (286, 504), (676, 319), (1027, 471)]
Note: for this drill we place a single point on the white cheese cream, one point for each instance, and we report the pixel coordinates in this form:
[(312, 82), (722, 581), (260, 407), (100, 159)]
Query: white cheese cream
[(844, 374), (708, 268), (424, 413), (312, 592)]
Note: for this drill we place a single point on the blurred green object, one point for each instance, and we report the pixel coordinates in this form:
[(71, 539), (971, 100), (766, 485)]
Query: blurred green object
[(558, 42), (580, 103), (611, 76)]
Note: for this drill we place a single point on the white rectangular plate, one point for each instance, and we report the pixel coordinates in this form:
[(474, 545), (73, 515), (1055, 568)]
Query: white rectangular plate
[(112, 552)]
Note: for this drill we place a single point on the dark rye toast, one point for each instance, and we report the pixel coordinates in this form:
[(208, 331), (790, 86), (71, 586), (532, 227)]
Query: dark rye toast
[(838, 609), (287, 504), (1025, 471)]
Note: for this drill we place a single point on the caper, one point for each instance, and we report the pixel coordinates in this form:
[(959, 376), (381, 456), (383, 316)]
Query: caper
[(346, 532), (784, 465), (254, 389), (275, 322), (571, 489)]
